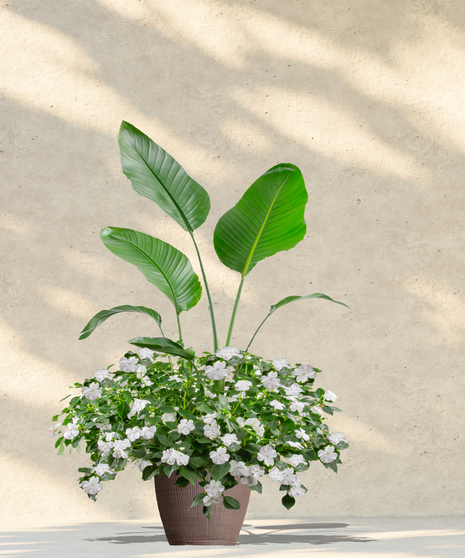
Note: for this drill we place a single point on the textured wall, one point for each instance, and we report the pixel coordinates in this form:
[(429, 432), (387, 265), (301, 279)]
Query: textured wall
[(367, 98)]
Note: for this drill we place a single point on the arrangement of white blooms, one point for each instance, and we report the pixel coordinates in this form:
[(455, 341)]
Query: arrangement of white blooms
[(225, 417), (230, 414)]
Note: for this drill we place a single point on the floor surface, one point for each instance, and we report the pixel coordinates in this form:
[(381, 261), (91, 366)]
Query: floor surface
[(442, 537)]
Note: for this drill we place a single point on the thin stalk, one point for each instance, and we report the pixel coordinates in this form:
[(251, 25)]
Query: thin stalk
[(233, 315), (256, 331), (210, 302), (179, 326)]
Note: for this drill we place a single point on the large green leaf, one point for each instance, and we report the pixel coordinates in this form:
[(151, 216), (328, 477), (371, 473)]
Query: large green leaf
[(163, 265), (157, 176), (163, 345), (288, 300), (105, 314), (267, 219)]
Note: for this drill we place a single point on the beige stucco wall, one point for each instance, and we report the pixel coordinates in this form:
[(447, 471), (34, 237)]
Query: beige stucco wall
[(367, 98)]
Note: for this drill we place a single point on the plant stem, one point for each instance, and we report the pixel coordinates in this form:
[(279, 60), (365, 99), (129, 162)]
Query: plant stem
[(233, 315), (210, 302), (256, 331), (179, 327)]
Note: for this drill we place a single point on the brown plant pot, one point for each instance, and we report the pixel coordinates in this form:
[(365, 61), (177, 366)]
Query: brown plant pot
[(185, 525)]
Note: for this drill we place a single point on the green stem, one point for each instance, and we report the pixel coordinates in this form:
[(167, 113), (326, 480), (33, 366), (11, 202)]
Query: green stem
[(256, 331), (210, 302), (233, 315), (179, 326)]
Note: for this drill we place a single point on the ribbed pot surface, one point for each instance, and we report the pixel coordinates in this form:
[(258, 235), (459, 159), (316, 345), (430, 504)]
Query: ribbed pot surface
[(185, 525)]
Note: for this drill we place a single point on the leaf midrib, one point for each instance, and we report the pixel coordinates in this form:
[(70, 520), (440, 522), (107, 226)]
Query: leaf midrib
[(164, 276), (259, 234)]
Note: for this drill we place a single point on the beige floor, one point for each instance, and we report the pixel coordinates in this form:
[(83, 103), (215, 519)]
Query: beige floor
[(442, 537)]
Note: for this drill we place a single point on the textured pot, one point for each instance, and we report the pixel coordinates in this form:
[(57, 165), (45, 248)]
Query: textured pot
[(185, 525)]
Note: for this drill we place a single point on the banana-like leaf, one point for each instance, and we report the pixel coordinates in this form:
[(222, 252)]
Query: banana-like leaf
[(163, 345), (163, 265), (288, 300), (157, 176), (105, 314), (267, 219)]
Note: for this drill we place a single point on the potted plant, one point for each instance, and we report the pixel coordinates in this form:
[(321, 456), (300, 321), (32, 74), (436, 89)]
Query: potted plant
[(207, 427)]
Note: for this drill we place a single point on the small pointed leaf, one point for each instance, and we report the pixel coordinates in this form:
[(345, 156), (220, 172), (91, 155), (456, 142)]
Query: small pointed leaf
[(163, 345)]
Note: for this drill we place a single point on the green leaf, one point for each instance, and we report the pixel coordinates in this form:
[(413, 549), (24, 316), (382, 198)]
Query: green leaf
[(331, 466), (231, 503), (258, 487), (182, 482), (163, 345), (290, 299), (223, 401), (188, 474), (122, 409), (288, 501), (170, 469), (197, 462), (198, 499), (105, 314), (217, 472), (157, 176), (252, 448), (310, 455), (207, 510), (267, 219), (162, 265), (149, 472), (163, 440), (204, 408)]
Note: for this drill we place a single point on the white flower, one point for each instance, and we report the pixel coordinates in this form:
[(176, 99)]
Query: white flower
[(255, 471), (297, 406), (214, 488), (302, 434), (295, 460), (118, 448), (172, 456), (54, 429), (92, 392), (240, 421), (71, 431), (267, 454), (105, 446), (216, 372), (101, 375), (141, 370), (168, 417), (175, 378), (330, 396), (327, 455), (271, 381), (238, 468), (243, 385), (148, 432), (210, 394), (146, 353), (280, 363), (228, 352), (277, 405), (133, 434), (316, 409), (219, 457), (92, 486), (229, 439), (138, 406), (297, 445), (235, 397), (289, 478), (275, 474), (249, 481), (186, 426), (209, 500), (141, 464), (336, 438), (128, 364), (293, 391), (209, 418), (303, 373), (101, 468), (296, 491)]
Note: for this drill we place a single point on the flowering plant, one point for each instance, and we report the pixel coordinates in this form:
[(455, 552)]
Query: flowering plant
[(228, 415)]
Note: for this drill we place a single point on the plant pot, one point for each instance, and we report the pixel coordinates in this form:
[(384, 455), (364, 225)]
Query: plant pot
[(184, 525)]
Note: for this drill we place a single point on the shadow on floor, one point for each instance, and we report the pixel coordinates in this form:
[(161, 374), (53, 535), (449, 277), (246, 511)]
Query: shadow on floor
[(273, 536)]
